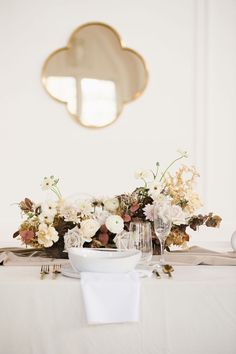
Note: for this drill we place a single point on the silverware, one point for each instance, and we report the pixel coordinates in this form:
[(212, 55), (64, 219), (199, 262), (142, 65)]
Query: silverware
[(56, 270), (156, 273), (167, 269), (44, 270)]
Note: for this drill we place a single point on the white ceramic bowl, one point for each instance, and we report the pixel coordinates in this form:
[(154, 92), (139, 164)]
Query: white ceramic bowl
[(103, 260)]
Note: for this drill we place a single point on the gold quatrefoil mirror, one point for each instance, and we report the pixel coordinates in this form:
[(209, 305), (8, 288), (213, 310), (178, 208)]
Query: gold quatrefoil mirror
[(95, 75)]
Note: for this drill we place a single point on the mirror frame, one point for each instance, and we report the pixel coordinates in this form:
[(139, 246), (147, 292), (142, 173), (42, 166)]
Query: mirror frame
[(76, 118)]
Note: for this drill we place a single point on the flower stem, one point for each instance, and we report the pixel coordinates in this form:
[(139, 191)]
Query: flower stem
[(57, 192), (172, 163)]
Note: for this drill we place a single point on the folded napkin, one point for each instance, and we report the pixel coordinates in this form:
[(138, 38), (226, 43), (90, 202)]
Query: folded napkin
[(196, 255), (111, 297)]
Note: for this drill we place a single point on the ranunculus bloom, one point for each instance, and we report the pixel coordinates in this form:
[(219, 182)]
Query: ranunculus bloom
[(27, 236), (134, 207), (88, 228), (126, 218), (111, 204), (115, 224)]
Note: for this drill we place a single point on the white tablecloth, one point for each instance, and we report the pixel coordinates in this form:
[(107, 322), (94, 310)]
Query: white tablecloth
[(195, 312)]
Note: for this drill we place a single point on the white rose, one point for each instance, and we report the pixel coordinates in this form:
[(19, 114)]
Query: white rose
[(88, 228), (73, 238), (115, 224), (111, 204), (177, 215)]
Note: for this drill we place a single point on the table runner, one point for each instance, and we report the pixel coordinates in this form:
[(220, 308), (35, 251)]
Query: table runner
[(193, 256)]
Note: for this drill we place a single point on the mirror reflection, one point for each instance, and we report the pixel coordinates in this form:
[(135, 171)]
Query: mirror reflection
[(95, 75)]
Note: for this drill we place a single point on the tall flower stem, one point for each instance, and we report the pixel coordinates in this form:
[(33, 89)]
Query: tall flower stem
[(172, 163), (56, 190)]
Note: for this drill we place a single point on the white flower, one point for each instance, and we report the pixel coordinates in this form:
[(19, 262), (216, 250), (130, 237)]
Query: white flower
[(193, 200), (162, 208), (101, 215), (111, 204), (47, 183), (155, 189), (149, 212), (115, 224), (47, 235), (69, 212), (88, 229), (178, 217), (49, 208), (73, 238), (143, 174), (84, 207), (46, 219), (183, 153)]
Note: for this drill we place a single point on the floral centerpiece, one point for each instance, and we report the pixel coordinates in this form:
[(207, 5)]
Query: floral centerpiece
[(57, 224)]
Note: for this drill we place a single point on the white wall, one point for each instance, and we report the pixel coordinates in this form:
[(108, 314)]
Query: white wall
[(190, 50)]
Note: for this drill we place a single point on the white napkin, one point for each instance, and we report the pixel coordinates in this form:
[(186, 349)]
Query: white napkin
[(111, 297)]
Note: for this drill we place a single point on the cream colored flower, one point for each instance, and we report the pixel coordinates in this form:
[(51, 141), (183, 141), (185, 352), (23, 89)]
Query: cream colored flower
[(101, 215), (69, 212), (47, 235), (47, 183), (145, 175), (115, 224), (183, 153), (193, 201), (49, 208), (181, 188), (73, 238), (84, 207), (111, 204), (46, 219), (88, 229), (178, 217)]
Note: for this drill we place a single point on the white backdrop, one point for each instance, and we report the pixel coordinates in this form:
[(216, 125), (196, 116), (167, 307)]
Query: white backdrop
[(190, 50)]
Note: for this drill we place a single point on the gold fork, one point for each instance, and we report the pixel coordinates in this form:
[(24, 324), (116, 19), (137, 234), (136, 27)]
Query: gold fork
[(56, 270), (44, 270), (168, 269)]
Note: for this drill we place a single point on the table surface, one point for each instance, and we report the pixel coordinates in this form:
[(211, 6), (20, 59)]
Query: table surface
[(194, 312)]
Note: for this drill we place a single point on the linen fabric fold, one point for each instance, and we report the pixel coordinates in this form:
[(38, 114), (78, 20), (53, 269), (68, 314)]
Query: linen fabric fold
[(199, 256), (111, 297)]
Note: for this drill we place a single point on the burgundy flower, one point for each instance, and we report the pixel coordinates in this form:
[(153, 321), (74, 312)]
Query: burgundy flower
[(126, 218), (103, 238)]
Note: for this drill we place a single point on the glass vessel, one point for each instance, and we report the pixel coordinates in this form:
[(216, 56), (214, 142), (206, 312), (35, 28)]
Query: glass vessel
[(162, 225), (140, 237)]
